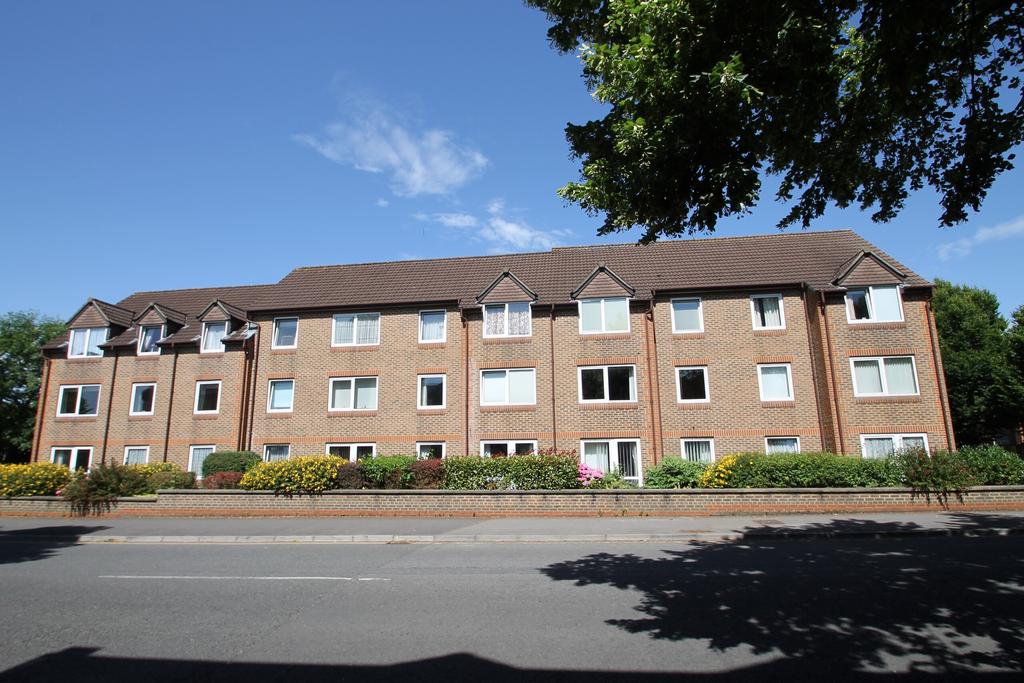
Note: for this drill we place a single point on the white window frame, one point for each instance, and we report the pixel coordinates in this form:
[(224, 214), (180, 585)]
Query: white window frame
[(270, 393), (124, 461), (352, 446), (444, 327), (897, 441), (799, 447), (442, 444), (871, 304), (273, 333), (355, 328), (191, 456), (267, 446), (700, 314), (683, 442), (508, 386), (195, 403), (613, 448), (529, 309), (444, 391), (352, 403), (579, 383), (789, 380), (71, 459), (142, 337), (707, 384), (510, 445), (88, 331), (78, 403), (782, 311), (220, 342), (604, 320), (881, 372), (131, 406)]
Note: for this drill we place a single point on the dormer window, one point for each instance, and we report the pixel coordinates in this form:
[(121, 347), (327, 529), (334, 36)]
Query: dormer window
[(85, 342), (213, 336), (149, 335), (604, 315), (874, 305), (507, 320)]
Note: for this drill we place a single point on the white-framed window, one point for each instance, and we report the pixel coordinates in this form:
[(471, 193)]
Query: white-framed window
[(143, 398), (775, 381), (433, 327), (697, 450), (72, 457), (281, 396), (490, 449), (687, 315), (884, 376), (79, 399), (213, 337), (431, 391), (692, 384), (614, 455), (430, 450), (884, 445), (767, 312), (286, 333), (356, 329), (273, 452), (136, 455), (598, 316), (874, 304), (352, 393), (85, 342), (149, 335), (196, 456), (607, 383), (352, 451), (508, 320), (781, 444), (513, 387), (207, 398)]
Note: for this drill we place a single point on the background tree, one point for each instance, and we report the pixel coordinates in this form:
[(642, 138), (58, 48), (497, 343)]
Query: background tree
[(986, 388), (21, 334), (847, 101)]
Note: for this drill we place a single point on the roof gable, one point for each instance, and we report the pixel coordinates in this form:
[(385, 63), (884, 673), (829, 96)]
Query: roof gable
[(157, 313), (506, 288), (96, 313), (602, 282), (867, 268), (221, 310)]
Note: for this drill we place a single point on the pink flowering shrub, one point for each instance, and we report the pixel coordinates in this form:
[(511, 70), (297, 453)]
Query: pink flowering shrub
[(588, 476)]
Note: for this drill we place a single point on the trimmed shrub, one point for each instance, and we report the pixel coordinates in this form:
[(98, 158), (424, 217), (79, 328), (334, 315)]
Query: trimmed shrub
[(388, 471), (351, 476), (991, 465), (229, 461), (426, 474), (800, 470), (611, 480), (175, 479), (36, 479), (940, 473), (522, 472), (675, 473), (222, 480), (309, 474)]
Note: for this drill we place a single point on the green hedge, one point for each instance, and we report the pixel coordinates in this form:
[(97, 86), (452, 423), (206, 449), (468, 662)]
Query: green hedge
[(522, 472), (229, 461), (992, 465), (675, 473), (388, 471), (800, 470), (310, 474), (36, 479)]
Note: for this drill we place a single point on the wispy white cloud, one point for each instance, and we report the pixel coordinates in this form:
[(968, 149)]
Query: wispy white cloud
[(382, 203), (451, 220), (418, 162), (501, 232), (963, 247)]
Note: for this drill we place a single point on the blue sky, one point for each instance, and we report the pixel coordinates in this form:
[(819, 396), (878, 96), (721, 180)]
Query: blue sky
[(164, 145)]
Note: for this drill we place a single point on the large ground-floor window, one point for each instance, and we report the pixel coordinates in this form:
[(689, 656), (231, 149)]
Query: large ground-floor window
[(614, 455), (72, 457), (884, 445), (352, 451), (489, 449)]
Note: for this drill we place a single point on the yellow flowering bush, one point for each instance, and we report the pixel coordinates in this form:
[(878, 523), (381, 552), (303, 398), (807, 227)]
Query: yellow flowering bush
[(308, 474), (36, 479), (717, 475)]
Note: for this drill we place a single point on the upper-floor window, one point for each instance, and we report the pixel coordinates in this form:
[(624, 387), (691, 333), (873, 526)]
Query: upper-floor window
[(692, 385), (431, 391), (79, 399), (687, 315), (432, 327), (884, 376), (353, 393), (213, 337), (607, 383), (85, 341), (884, 445), (143, 398), (604, 315), (508, 387), (507, 320), (286, 333), (874, 304), (136, 455), (356, 329), (207, 398), (149, 335), (767, 312), (281, 396), (775, 382)]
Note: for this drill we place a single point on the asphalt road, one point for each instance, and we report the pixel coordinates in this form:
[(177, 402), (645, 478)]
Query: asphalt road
[(800, 610)]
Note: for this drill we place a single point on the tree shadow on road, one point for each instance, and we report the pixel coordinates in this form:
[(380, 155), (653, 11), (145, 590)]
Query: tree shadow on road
[(952, 606), (29, 545)]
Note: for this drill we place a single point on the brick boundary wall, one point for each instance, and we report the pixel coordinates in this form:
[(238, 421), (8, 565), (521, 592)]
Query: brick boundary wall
[(570, 503)]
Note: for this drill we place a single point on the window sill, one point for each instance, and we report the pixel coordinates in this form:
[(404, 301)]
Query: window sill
[(431, 345), (351, 413), (606, 335), (779, 404), (349, 349), (770, 333), (92, 359), (204, 416), (703, 405), (431, 411), (215, 354), (282, 352), (508, 409), (76, 418), (687, 335), (508, 340), (867, 400), (891, 325), (147, 356), (279, 416), (624, 405), (140, 418)]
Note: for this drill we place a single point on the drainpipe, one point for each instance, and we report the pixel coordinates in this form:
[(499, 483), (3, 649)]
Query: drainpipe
[(653, 385), (252, 384), (814, 365), (44, 390), (940, 382), (243, 403), (832, 373), (170, 403), (465, 381), (110, 407), (554, 419)]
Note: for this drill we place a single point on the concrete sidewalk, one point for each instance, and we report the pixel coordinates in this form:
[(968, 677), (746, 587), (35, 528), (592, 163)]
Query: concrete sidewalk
[(385, 530)]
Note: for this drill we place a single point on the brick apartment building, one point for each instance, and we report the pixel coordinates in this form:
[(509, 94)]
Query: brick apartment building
[(626, 354)]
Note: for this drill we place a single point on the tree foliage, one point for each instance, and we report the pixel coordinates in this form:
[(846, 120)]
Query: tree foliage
[(848, 102), (21, 334), (986, 388)]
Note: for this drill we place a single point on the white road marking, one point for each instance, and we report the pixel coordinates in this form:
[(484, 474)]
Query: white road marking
[(245, 578)]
